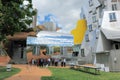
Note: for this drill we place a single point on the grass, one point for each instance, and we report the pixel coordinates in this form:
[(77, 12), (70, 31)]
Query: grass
[(69, 74), (5, 74)]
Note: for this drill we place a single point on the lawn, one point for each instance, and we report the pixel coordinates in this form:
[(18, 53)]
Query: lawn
[(5, 74), (69, 74)]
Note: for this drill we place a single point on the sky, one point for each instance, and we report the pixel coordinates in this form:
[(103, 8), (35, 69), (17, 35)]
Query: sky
[(65, 13)]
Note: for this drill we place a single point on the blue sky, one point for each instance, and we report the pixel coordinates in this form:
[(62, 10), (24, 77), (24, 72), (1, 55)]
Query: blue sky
[(64, 13)]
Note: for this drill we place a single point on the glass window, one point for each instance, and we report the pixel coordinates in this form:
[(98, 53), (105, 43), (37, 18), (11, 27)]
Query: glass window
[(112, 17), (94, 19), (82, 53), (97, 34), (90, 3), (75, 54), (87, 38), (114, 7), (90, 27)]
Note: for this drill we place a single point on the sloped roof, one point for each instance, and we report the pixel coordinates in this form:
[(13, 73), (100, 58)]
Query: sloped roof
[(21, 35)]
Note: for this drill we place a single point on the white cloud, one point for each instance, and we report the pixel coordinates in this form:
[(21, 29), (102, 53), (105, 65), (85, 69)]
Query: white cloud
[(67, 11)]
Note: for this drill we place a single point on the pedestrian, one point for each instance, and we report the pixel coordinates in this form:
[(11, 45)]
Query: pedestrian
[(64, 62)]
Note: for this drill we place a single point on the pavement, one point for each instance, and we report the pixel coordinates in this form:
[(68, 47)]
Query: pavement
[(29, 72)]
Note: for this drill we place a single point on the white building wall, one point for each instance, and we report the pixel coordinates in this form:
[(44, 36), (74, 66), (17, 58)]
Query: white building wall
[(95, 17), (93, 20), (50, 26), (111, 29)]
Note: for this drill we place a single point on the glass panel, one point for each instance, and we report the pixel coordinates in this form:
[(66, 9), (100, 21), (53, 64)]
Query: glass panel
[(82, 53), (90, 27), (114, 7), (90, 3), (112, 17), (87, 37)]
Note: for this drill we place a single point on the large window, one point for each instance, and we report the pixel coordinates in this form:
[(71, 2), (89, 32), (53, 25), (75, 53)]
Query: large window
[(114, 7), (112, 17)]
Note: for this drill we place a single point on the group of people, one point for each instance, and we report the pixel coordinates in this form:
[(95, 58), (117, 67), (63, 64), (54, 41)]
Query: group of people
[(48, 62)]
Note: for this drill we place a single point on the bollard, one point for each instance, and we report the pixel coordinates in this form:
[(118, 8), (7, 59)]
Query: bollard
[(8, 67)]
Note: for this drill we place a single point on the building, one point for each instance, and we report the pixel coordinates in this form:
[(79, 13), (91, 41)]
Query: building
[(50, 26), (101, 44)]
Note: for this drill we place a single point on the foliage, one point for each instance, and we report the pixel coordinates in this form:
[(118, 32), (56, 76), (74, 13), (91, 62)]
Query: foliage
[(5, 74), (69, 74), (56, 49), (15, 16)]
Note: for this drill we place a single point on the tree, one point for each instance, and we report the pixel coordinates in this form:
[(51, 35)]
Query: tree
[(15, 16)]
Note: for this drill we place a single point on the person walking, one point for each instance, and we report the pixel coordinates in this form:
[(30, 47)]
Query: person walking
[(64, 62)]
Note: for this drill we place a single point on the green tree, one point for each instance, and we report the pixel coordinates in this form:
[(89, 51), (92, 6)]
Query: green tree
[(15, 16)]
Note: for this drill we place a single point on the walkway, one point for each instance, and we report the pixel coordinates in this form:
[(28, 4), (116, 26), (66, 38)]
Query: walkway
[(29, 73)]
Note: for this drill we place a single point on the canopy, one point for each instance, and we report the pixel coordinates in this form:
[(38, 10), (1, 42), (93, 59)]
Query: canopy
[(51, 39)]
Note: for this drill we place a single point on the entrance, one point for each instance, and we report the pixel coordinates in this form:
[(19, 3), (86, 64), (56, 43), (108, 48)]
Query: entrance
[(16, 50)]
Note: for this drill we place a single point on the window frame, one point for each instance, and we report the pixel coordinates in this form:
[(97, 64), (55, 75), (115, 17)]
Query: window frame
[(90, 3), (112, 17), (82, 52), (90, 28), (87, 38), (114, 7)]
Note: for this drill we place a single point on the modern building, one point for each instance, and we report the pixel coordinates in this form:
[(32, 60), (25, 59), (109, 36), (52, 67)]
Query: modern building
[(50, 26), (101, 44)]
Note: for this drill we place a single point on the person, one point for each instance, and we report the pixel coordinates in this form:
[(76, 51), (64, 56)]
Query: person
[(33, 61), (56, 61), (49, 61), (41, 62), (64, 62)]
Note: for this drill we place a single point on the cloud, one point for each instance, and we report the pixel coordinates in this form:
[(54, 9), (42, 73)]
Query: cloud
[(67, 12)]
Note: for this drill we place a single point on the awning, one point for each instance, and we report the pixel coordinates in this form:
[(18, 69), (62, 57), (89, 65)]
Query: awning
[(51, 39)]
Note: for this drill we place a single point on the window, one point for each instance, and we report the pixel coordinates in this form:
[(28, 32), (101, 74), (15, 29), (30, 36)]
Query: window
[(113, 0), (90, 3), (116, 46), (114, 7), (87, 38), (94, 19), (112, 17), (75, 54), (82, 53), (94, 11), (90, 27), (97, 34)]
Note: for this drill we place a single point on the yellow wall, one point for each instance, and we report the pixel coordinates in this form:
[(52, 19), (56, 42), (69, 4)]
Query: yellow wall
[(79, 32)]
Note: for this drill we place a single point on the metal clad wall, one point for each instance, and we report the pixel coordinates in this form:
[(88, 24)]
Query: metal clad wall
[(115, 60), (103, 58)]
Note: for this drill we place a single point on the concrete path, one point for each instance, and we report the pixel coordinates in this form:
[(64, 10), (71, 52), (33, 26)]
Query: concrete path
[(29, 73)]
